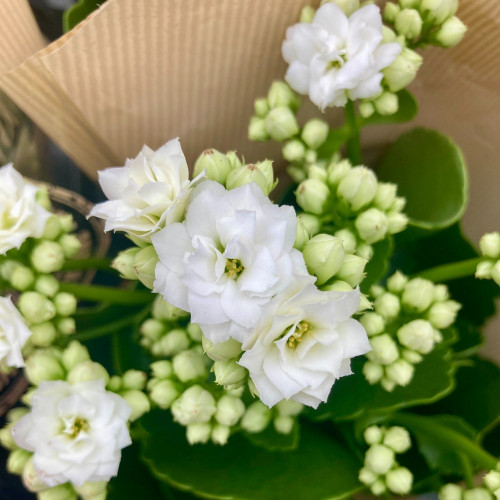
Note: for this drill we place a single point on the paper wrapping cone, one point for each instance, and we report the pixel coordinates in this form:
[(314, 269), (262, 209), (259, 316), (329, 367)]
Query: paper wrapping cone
[(144, 72)]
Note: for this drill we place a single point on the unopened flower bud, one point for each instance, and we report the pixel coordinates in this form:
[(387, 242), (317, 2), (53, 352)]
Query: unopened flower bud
[(145, 264), (283, 424), (30, 478), (152, 329), (373, 323), (495, 273), (418, 294), (17, 460), (411, 356), (44, 365), (66, 326), (281, 95), (261, 107), (47, 256), (198, 433), (490, 245), (92, 490), (484, 269), (408, 23), (316, 172), (164, 310), (22, 278), (388, 35), (220, 434), (7, 267), (352, 270), (174, 342), (138, 401), (162, 369), (338, 286), (189, 365), (297, 173), (229, 373), (194, 332), (247, 174), (302, 236), (35, 307), (70, 245), (366, 476), (397, 282), (336, 171), (387, 305), (378, 487), (348, 6), (384, 350), (401, 372), (379, 459), (215, 165), (67, 223), (312, 195), (443, 314), (450, 492), (437, 11), (65, 304), (223, 351), (114, 384), (196, 405), (399, 480), (451, 32), (52, 228), (294, 150), (417, 335), (324, 256), (348, 239), (256, 418), (281, 124), (373, 435), (74, 354), (164, 393), (492, 480), (403, 70), (388, 384), (358, 187), (476, 494), (315, 132), (124, 263), (6, 439), (229, 410), (86, 371), (366, 109), (311, 222), (47, 285), (373, 372), (372, 225), (289, 407), (59, 492), (390, 12), (386, 104), (398, 439), (385, 195), (43, 334), (134, 379), (396, 222), (365, 251), (257, 130)]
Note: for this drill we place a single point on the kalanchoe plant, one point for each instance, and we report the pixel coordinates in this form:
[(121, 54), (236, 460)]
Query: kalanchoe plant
[(240, 322)]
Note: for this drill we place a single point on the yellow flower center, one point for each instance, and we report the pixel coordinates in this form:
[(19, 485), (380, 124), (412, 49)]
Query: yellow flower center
[(233, 268), (298, 335), (79, 425)]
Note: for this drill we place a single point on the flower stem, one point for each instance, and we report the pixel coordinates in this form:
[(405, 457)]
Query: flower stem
[(468, 472), (353, 143), (99, 293), (102, 331), (453, 271), (90, 263)]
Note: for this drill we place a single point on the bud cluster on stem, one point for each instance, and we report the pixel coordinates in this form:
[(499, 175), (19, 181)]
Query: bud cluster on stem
[(489, 266)]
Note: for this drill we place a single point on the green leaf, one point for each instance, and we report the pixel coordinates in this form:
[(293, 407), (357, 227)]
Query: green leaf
[(353, 397), (335, 140), (408, 109), (430, 172), (271, 440), (377, 267), (320, 468), (78, 12)]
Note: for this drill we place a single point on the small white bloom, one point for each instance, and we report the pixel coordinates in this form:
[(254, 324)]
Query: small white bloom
[(232, 254), (76, 432), (13, 334), (335, 58), (21, 216), (149, 192), (304, 343)]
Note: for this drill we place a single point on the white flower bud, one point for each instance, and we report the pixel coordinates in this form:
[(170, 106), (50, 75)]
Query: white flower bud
[(52, 228), (163, 310), (417, 335), (70, 245), (86, 371), (312, 196), (372, 225), (397, 282), (324, 256), (352, 270), (229, 410), (175, 341), (418, 294), (336, 171), (396, 222), (196, 405), (384, 350), (373, 323), (92, 490), (257, 130), (198, 433), (124, 263), (65, 304), (385, 195), (398, 439), (373, 435), (289, 407), (22, 278), (302, 236), (348, 239), (311, 222), (307, 14), (162, 369), (443, 314), (373, 372), (31, 480), (400, 372), (378, 487), (164, 393), (450, 492), (43, 334), (366, 109), (490, 245), (387, 305), (451, 32), (17, 460), (437, 11), (44, 365), (408, 23), (215, 165), (35, 307), (281, 95), (315, 132), (403, 70), (223, 351), (390, 12), (477, 494), (220, 434), (145, 264), (366, 476), (138, 401), (261, 107), (66, 326), (256, 418), (379, 459), (399, 481), (281, 124), (189, 365), (47, 285), (358, 187), (294, 150), (134, 379), (492, 480), (283, 424), (229, 373), (484, 269), (386, 104)]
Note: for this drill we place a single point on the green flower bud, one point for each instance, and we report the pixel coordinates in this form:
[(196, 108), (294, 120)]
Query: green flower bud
[(372, 225), (174, 342), (47, 257), (358, 187), (390, 12), (495, 273), (387, 305), (384, 350), (92, 491), (348, 6), (256, 418), (388, 35), (373, 435), (215, 165), (198, 433), (220, 434), (31, 480), (189, 365), (251, 173), (490, 245), (451, 32), (324, 256), (124, 263), (163, 310), (145, 264), (7, 267), (397, 282), (114, 384), (366, 476), (386, 104), (365, 251), (44, 365), (379, 459), (257, 130), (373, 323), (66, 326), (22, 278), (398, 439), (65, 304), (283, 424), (385, 195), (52, 228), (229, 410), (47, 285), (417, 294), (67, 223), (396, 222), (6, 439), (492, 480), (399, 481), (138, 401), (289, 407), (399, 204), (17, 460), (311, 223), (352, 270), (297, 173), (86, 371), (403, 70), (417, 335), (366, 109), (70, 244), (450, 492), (60, 492), (261, 107), (16, 414), (408, 23), (373, 372), (153, 329), (281, 124), (443, 314), (294, 150), (484, 269), (164, 393), (229, 373), (436, 11), (338, 286), (43, 334), (223, 351), (196, 405), (409, 4), (302, 236), (388, 384), (134, 379), (281, 95), (440, 293), (400, 372), (312, 195), (412, 357), (337, 171), (43, 199), (378, 487), (233, 159), (348, 239), (477, 494), (162, 369), (317, 172), (315, 132), (36, 308)]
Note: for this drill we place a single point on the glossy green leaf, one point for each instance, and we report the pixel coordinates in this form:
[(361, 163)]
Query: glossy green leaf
[(430, 172), (78, 12), (408, 109), (353, 397), (378, 265), (320, 468), (271, 440)]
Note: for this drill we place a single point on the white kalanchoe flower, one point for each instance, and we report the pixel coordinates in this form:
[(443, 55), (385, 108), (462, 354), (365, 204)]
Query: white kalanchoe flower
[(304, 343), (146, 194), (223, 264), (21, 216), (76, 432), (13, 334), (335, 58)]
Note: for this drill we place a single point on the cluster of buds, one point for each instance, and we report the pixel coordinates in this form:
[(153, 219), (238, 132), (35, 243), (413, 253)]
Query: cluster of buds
[(489, 267), (137, 263), (381, 471), (404, 325), (351, 203), (489, 490)]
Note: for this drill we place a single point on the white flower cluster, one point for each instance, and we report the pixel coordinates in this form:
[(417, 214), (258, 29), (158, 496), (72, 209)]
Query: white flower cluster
[(381, 472), (404, 326), (489, 267)]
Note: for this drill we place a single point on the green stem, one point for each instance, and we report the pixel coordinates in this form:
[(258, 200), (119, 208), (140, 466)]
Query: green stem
[(448, 437), (99, 293), (90, 263), (468, 472), (102, 331), (452, 271), (353, 143)]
